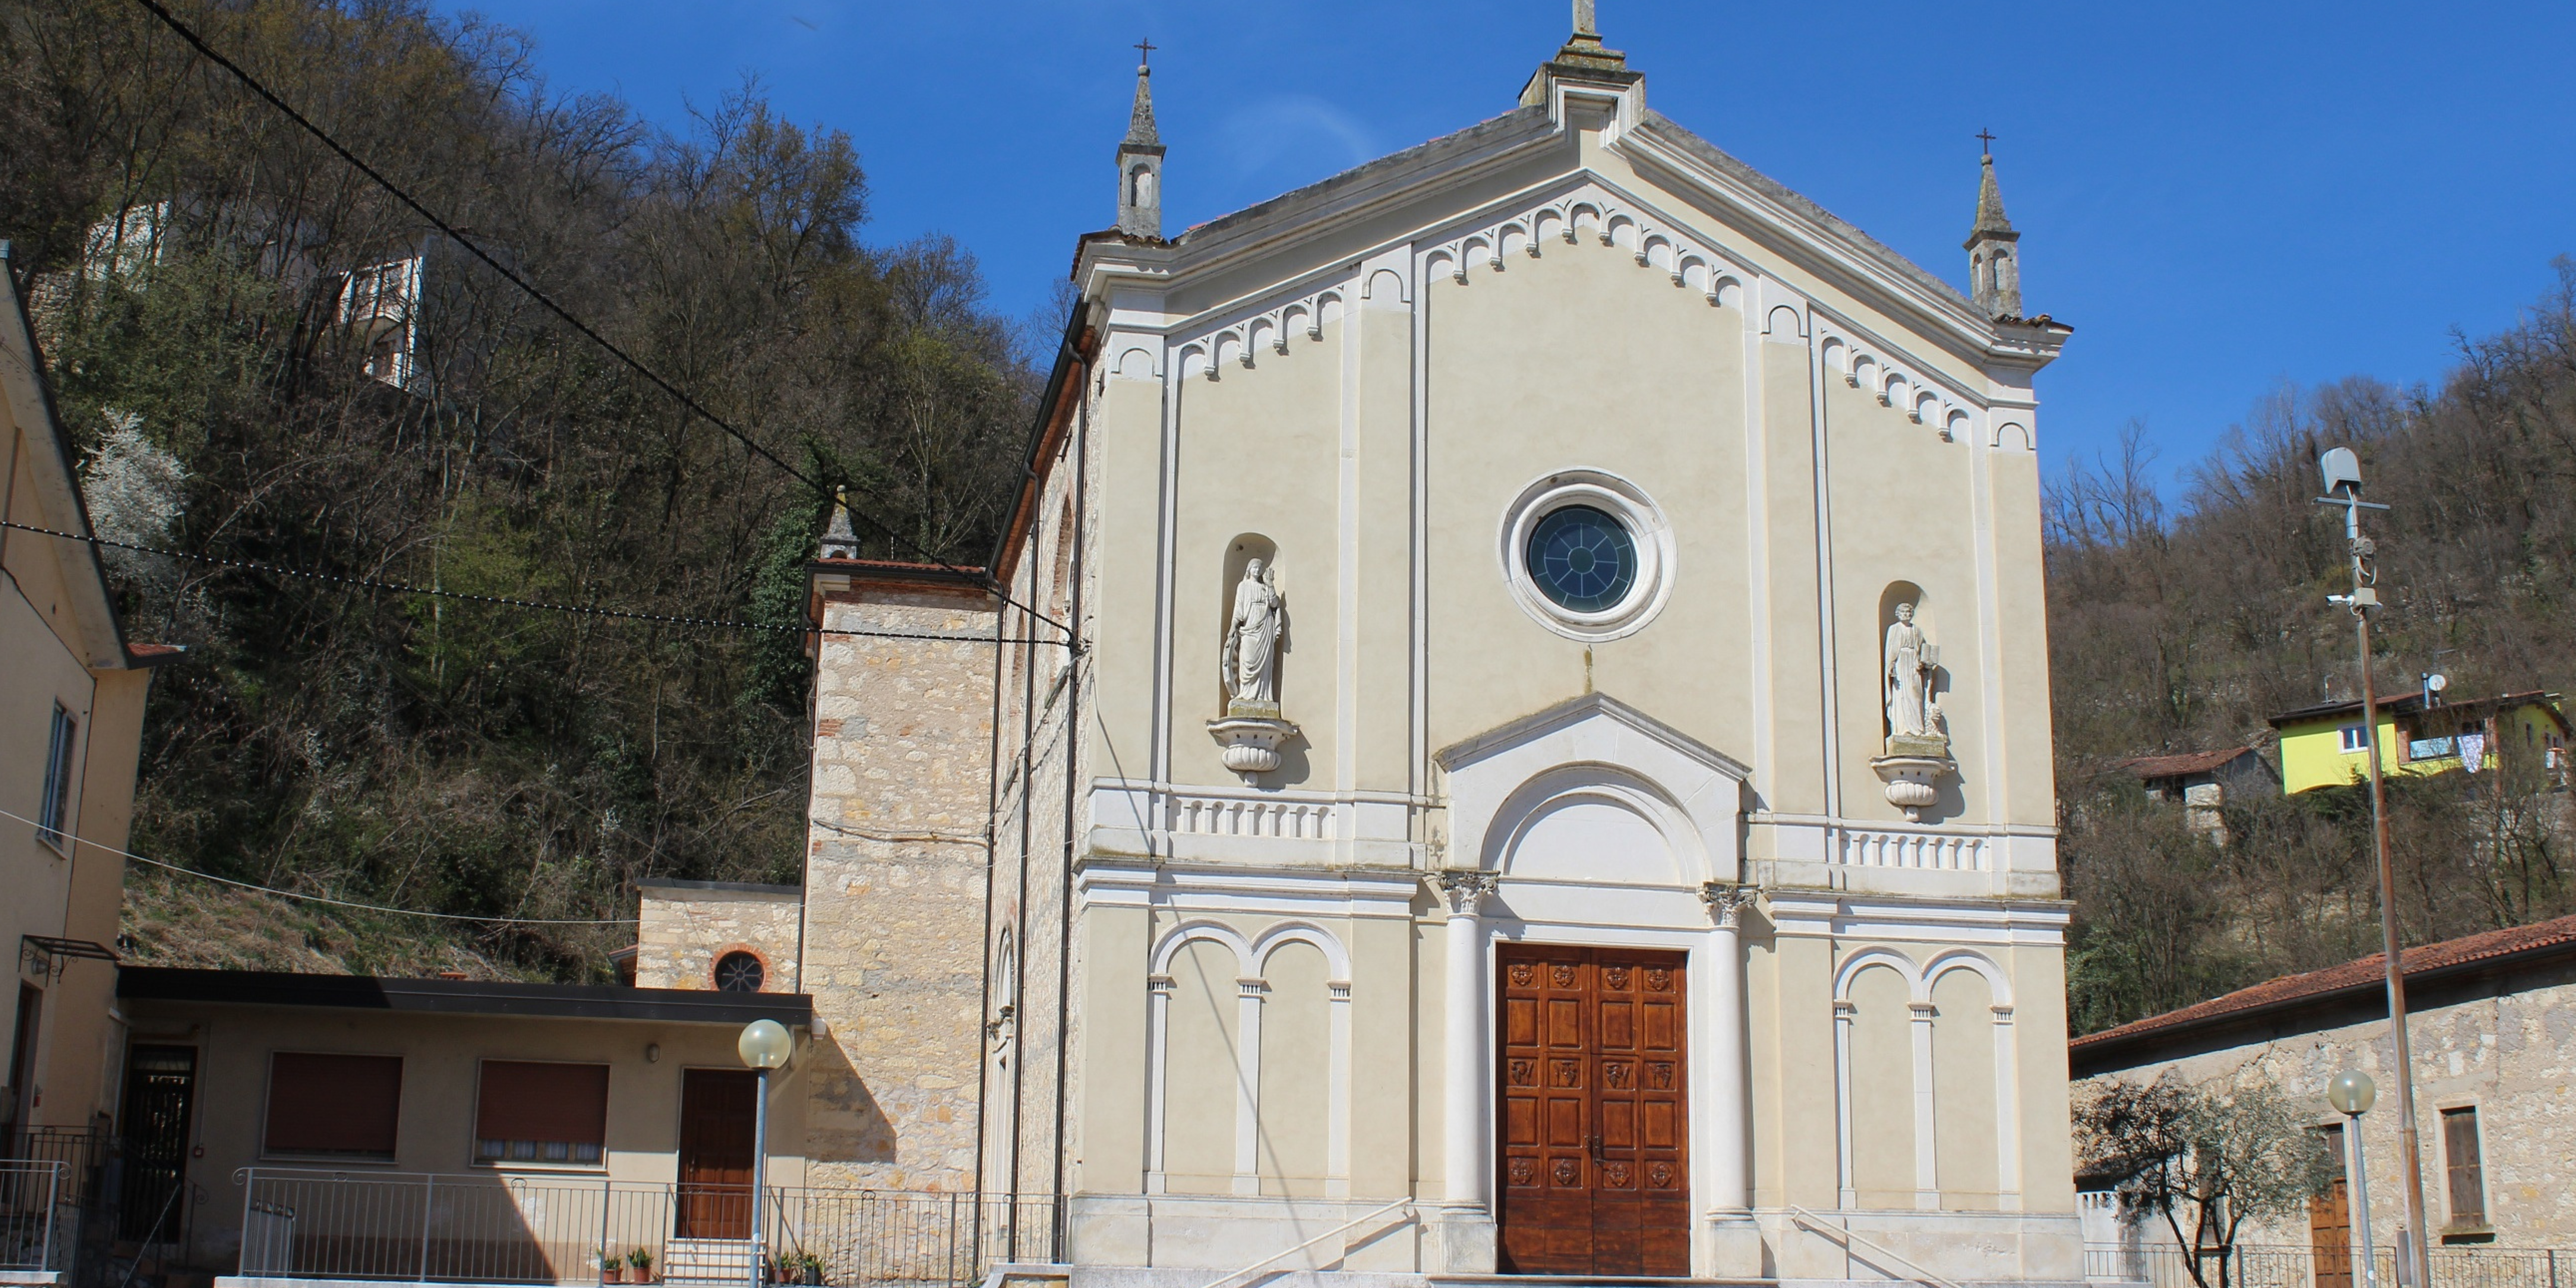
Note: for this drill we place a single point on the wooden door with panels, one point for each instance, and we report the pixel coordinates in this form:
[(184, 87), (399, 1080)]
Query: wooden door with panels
[(717, 1109), (1594, 1133)]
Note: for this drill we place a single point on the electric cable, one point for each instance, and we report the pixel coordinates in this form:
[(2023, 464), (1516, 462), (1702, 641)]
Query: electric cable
[(316, 898), (626, 614), (253, 83)]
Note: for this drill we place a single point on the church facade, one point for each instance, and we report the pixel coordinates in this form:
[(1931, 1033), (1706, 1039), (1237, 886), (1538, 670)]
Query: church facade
[(1509, 734)]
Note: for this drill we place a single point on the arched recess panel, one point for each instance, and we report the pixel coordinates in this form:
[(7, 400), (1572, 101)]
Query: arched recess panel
[(1963, 1081), (1882, 1089), (1292, 1152), (1200, 1070)]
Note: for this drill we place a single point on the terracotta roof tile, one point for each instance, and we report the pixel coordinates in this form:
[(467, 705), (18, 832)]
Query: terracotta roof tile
[(2367, 972)]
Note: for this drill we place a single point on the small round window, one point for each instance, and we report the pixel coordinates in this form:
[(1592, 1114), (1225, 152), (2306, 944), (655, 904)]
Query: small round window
[(1587, 554), (1582, 558), (738, 973)]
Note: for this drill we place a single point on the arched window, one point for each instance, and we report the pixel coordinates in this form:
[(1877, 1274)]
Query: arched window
[(739, 972)]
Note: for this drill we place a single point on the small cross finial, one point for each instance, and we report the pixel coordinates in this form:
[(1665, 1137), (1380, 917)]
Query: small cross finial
[(1144, 51), (1585, 24), (1987, 137)]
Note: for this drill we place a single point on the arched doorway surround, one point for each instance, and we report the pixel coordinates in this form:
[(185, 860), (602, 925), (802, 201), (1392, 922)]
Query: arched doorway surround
[(1592, 823)]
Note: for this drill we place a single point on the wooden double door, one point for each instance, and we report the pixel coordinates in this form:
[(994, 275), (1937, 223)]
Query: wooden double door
[(1594, 1131)]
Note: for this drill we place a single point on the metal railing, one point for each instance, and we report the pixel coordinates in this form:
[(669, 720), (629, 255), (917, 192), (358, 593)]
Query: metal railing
[(2293, 1266), (79, 1149), (1854, 1241), (310, 1224), (1404, 1205), (32, 1195)]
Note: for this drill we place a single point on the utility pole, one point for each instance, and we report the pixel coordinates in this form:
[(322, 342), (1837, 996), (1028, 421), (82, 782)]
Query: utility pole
[(2342, 471)]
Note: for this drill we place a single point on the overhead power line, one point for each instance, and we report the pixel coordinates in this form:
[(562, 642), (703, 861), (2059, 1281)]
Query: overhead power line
[(336, 903), (632, 363), (507, 601)]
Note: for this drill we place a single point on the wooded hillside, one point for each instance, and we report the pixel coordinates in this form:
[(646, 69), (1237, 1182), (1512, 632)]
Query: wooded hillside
[(2182, 627), (441, 754)]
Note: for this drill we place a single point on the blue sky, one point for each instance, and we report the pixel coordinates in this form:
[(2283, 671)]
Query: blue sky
[(2220, 198)]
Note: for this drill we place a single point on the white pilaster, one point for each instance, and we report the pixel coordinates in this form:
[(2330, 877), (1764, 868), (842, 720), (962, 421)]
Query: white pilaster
[(1158, 1006), (1469, 1118), (1730, 1112), (1843, 1010), (1247, 1086), (1927, 1185)]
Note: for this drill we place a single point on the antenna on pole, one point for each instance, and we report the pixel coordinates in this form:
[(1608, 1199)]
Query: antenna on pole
[(2340, 470)]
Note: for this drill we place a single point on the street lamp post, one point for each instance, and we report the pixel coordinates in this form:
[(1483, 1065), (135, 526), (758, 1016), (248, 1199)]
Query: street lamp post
[(2342, 471), (765, 1045), (2351, 1092)]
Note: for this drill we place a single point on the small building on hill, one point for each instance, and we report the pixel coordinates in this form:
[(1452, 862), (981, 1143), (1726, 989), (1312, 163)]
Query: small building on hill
[(2492, 1018), (2324, 745), (2204, 782)]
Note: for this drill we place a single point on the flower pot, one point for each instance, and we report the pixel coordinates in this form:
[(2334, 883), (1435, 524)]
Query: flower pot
[(612, 1274), (813, 1275)]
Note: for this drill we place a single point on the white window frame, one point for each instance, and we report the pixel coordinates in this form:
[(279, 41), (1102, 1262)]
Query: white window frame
[(54, 809), (2355, 738)]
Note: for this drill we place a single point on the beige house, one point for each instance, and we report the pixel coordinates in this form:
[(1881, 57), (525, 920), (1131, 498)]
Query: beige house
[(71, 725), (2492, 1019), (294, 1125), (1509, 732)]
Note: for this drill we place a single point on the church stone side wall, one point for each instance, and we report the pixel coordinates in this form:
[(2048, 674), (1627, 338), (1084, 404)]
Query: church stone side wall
[(896, 873)]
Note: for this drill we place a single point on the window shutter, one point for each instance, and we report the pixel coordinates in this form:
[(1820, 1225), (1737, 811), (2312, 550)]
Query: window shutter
[(2467, 1173), (333, 1104), (529, 1100)]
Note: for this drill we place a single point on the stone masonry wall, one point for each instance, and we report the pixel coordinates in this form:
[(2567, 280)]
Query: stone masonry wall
[(897, 873), (2512, 1057), (687, 925)]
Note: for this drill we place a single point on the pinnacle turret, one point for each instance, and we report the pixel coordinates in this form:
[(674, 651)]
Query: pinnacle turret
[(1994, 259), (1140, 159)]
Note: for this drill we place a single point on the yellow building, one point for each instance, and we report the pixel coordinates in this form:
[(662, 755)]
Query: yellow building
[(2325, 745), (71, 724)]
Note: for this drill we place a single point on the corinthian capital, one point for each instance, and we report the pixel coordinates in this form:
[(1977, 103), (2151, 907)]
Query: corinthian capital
[(1726, 901), (1462, 891)]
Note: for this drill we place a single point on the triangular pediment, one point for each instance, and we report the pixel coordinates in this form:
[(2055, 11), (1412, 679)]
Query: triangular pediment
[(1511, 165)]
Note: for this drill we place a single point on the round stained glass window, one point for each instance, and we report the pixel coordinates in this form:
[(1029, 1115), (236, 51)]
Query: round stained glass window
[(1582, 559)]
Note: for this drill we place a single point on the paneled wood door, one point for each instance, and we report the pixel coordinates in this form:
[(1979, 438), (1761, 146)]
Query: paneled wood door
[(2330, 1220), (1595, 1157), (716, 1123)]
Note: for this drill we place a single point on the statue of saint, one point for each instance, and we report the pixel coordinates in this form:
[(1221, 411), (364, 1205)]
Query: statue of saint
[(1908, 662), (1251, 658)]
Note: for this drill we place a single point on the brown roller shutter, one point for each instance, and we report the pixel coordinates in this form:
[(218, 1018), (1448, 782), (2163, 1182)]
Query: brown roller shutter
[(528, 1100), (333, 1104)]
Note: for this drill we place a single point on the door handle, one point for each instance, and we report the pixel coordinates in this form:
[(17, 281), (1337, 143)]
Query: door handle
[(1592, 1143)]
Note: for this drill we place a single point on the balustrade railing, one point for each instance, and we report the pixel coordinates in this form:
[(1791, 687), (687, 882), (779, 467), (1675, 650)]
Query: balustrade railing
[(307, 1224)]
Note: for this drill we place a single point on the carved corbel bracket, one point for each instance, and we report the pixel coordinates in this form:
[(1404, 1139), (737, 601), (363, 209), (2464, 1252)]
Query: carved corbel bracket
[(1251, 742), (1912, 770)]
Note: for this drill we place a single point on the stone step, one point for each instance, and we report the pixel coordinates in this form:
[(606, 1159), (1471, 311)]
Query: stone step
[(706, 1261)]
